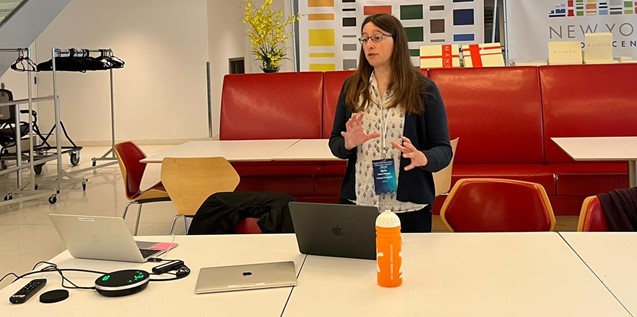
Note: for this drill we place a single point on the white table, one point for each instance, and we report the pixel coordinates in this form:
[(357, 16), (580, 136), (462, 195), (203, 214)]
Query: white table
[(232, 150), (307, 150), (459, 274), (603, 149), (174, 298), (445, 274), (612, 256)]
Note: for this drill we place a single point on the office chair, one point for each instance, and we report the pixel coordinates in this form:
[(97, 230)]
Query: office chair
[(8, 124), (591, 216), (493, 205), (442, 178), (129, 156), (190, 181)]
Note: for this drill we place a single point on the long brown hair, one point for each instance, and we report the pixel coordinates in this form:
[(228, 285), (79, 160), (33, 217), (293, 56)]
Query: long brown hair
[(405, 82)]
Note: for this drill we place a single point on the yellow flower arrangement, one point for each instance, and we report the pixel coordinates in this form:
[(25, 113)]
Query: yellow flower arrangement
[(267, 33)]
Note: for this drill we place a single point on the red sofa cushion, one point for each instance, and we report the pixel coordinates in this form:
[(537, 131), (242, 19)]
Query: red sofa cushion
[(495, 111), (587, 100), (332, 84), (587, 178), (271, 106)]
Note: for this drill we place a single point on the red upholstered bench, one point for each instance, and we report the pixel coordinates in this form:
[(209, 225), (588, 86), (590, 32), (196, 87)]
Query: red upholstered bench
[(273, 106), (587, 100), (504, 116), (497, 113), (327, 180)]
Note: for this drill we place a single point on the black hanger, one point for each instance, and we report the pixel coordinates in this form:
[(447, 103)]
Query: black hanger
[(24, 63), (110, 59)]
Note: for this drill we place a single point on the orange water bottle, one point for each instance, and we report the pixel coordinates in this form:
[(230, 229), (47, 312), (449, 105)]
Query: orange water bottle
[(388, 250)]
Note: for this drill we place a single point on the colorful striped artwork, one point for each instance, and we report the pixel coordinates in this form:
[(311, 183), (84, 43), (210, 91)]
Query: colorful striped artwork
[(581, 8), (329, 30)]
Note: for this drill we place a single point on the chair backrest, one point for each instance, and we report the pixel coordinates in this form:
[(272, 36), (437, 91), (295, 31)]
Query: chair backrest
[(592, 217), (493, 205), (189, 181), (128, 156), (442, 178), (6, 112)]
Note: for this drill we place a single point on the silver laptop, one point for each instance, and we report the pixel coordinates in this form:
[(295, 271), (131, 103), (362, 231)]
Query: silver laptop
[(335, 229), (104, 238), (245, 277)]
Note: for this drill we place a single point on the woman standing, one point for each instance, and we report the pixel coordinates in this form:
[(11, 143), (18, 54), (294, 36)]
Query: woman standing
[(391, 126)]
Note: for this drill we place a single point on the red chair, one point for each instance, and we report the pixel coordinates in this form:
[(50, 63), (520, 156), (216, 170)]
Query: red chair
[(592, 217), (129, 156), (496, 205), (248, 226)]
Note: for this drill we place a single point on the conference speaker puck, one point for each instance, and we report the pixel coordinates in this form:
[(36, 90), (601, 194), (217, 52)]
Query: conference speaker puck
[(122, 283)]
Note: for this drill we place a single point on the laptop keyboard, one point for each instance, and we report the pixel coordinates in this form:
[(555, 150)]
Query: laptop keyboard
[(146, 253)]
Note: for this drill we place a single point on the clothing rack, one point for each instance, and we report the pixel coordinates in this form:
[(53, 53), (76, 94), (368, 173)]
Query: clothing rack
[(72, 52), (31, 192)]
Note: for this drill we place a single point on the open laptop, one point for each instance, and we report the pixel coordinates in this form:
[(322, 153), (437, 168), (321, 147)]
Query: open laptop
[(245, 277), (104, 238), (335, 229)]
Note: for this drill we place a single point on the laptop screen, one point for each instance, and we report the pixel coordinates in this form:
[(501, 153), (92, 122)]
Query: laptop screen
[(103, 238), (335, 229)]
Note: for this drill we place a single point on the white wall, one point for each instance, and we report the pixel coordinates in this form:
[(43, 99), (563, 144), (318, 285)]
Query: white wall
[(227, 38), (25, 25), (160, 94)]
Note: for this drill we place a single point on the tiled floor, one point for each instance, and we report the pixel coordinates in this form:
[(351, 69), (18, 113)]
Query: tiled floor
[(26, 233)]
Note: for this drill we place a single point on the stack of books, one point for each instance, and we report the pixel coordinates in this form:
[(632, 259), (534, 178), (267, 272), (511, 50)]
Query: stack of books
[(482, 55), (439, 56)]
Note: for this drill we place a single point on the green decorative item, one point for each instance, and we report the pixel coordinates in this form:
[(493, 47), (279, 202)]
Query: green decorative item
[(267, 34)]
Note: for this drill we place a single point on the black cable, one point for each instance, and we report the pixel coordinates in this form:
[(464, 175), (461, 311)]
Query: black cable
[(52, 267), (5, 276), (159, 260), (179, 273)]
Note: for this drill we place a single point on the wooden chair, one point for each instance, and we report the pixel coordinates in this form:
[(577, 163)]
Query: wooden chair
[(190, 181), (592, 217), (128, 156), (442, 178), (493, 205)]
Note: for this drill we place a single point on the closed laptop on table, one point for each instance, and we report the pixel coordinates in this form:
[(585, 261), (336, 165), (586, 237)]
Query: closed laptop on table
[(245, 277), (104, 238), (335, 229)]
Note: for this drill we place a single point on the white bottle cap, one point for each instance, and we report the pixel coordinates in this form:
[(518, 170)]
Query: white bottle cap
[(387, 219)]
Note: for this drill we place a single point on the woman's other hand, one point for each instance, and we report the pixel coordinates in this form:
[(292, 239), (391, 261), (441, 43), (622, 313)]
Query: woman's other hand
[(409, 151)]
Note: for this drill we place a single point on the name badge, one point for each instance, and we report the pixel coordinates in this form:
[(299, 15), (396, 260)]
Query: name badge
[(384, 176)]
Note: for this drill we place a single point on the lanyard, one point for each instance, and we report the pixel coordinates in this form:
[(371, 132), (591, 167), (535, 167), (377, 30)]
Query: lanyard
[(383, 132)]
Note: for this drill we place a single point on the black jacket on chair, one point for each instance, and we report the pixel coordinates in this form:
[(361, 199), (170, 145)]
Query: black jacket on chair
[(220, 213), (620, 209)]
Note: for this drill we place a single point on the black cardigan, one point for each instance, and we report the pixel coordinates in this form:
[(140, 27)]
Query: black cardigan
[(428, 132)]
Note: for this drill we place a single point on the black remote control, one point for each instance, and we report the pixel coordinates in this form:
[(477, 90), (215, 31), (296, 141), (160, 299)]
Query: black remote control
[(27, 291)]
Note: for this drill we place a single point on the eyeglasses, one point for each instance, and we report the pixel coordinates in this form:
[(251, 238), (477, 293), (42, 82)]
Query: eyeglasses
[(376, 37)]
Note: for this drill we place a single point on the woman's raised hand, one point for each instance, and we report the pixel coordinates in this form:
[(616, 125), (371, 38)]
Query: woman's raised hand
[(354, 134)]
